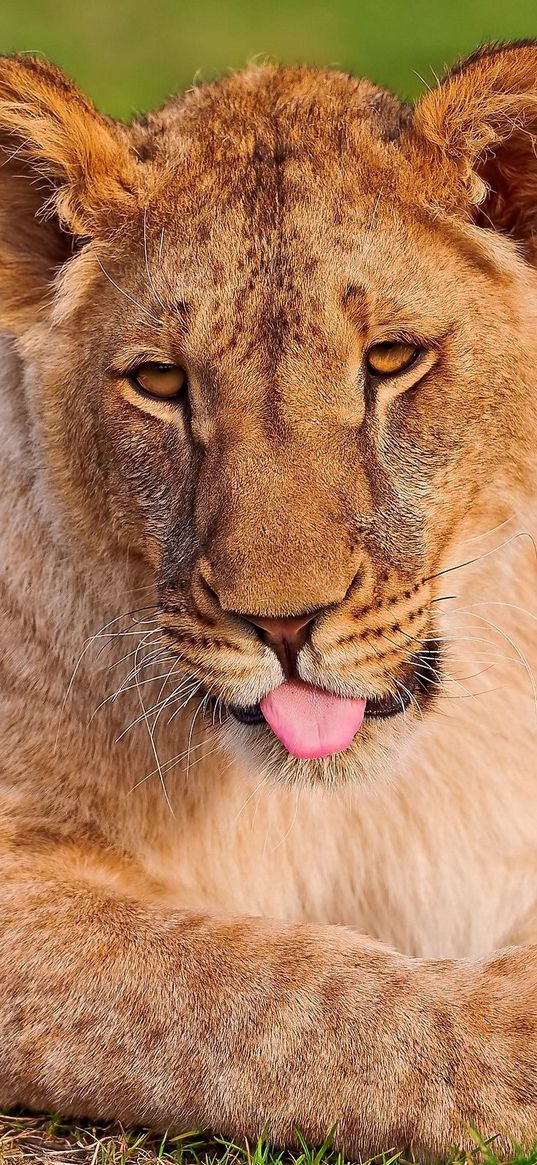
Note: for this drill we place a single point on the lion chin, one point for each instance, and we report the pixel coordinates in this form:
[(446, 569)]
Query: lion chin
[(371, 757)]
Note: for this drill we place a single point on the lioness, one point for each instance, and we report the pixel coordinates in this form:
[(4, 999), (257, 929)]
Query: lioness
[(268, 719)]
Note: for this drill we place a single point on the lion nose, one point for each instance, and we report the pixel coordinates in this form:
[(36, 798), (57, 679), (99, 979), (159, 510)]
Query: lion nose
[(285, 636), (294, 632)]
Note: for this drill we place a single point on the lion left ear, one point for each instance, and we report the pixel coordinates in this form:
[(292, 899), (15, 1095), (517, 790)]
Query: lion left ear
[(66, 172), (49, 125), (477, 135)]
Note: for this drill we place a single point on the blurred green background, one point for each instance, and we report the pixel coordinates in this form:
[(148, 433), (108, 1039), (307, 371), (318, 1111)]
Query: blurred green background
[(130, 55)]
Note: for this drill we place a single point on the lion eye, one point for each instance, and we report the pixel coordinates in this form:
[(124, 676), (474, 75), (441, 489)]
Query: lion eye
[(161, 380), (390, 358)]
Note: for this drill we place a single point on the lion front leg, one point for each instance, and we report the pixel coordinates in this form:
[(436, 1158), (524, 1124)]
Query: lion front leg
[(115, 1009)]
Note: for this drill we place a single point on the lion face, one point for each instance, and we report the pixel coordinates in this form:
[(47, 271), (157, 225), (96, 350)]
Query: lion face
[(283, 362)]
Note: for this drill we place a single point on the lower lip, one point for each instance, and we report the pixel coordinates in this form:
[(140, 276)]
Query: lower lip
[(253, 715), (378, 708)]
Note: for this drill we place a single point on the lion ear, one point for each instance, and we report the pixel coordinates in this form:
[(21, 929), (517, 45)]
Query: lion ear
[(47, 122), (65, 170), (477, 132)]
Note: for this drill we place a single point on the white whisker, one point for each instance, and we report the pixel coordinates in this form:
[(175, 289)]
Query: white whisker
[(155, 753), (130, 298), (146, 257)]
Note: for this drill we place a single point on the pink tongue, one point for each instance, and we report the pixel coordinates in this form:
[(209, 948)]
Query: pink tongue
[(311, 722)]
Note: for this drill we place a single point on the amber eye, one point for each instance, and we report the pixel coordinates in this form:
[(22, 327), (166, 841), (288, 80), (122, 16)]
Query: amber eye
[(162, 380), (391, 357)]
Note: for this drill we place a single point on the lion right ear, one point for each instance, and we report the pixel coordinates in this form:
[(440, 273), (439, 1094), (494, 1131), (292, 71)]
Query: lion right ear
[(475, 139), (65, 170)]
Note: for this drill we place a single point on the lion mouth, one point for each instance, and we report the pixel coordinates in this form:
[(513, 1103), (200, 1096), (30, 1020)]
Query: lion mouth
[(377, 707), (420, 679)]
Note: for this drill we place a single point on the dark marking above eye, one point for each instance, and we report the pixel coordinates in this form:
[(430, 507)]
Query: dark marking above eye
[(180, 308)]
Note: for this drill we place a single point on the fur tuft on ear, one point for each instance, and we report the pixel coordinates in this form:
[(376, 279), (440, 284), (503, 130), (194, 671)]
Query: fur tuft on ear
[(46, 122), (66, 172), (477, 135)]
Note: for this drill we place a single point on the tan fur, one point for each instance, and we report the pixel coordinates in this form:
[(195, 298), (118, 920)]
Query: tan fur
[(182, 942)]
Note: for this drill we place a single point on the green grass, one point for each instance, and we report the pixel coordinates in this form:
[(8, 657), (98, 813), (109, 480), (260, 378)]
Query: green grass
[(49, 1140), (130, 55)]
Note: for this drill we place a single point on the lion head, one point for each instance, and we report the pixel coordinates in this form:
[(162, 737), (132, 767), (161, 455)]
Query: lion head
[(279, 345)]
